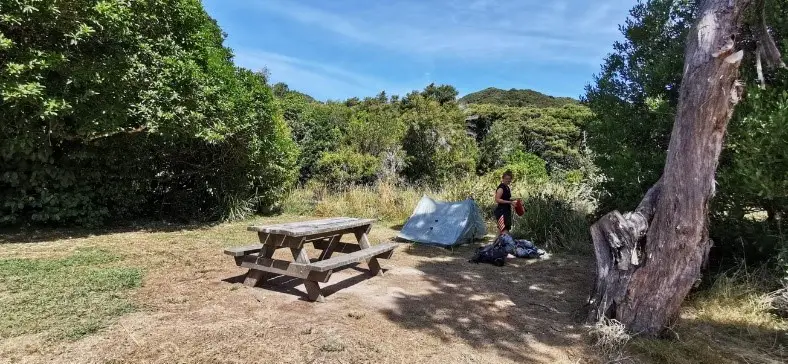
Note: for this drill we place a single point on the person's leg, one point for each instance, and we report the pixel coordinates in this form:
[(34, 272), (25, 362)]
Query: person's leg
[(508, 220)]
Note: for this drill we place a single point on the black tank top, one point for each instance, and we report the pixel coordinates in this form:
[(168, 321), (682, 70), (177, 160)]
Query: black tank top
[(506, 196)]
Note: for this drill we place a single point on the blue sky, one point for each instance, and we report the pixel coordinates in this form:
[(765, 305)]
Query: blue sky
[(335, 49)]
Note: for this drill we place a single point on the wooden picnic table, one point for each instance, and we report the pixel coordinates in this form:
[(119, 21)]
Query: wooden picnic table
[(325, 235)]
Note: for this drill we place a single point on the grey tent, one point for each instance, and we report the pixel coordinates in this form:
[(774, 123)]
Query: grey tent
[(444, 223)]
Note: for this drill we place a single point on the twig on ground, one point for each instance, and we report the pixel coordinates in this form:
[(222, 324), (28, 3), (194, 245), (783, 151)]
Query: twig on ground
[(129, 334), (256, 296), (551, 309)]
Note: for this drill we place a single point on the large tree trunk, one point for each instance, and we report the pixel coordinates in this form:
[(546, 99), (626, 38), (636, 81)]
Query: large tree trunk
[(648, 260)]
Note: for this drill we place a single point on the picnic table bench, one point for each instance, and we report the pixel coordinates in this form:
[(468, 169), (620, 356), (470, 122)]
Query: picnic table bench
[(325, 235)]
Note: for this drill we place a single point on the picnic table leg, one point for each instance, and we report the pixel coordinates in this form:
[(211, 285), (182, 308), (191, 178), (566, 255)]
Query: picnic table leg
[(313, 291), (329, 250), (255, 277), (312, 288), (363, 241)]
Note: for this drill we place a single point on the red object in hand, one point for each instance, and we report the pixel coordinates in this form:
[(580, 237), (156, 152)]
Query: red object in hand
[(518, 208)]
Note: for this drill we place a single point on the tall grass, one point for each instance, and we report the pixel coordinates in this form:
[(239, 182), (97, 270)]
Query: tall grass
[(555, 215), (383, 201), (731, 321)]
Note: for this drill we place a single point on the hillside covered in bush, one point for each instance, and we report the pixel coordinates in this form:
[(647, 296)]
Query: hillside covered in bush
[(515, 97)]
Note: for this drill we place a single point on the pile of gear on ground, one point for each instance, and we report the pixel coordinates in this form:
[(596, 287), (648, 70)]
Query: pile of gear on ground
[(504, 245)]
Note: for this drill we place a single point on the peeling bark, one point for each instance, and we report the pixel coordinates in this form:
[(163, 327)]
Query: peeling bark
[(648, 260)]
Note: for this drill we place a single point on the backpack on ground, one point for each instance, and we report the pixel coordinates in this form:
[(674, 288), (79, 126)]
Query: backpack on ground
[(494, 254)]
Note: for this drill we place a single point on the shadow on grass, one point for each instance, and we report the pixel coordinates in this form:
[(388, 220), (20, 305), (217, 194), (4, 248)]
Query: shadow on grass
[(524, 311), (289, 285), (396, 227), (45, 234), (435, 251)]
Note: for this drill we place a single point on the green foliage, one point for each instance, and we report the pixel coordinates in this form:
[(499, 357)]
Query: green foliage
[(553, 134), (499, 145), (755, 162), (443, 94), (64, 298), (317, 128), (119, 108), (634, 101), (436, 144), (574, 176), (526, 167), (554, 224), (515, 98), (375, 129), (347, 167)]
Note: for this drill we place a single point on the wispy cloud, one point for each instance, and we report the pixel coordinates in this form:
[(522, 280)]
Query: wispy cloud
[(323, 81), (531, 31), (340, 49)]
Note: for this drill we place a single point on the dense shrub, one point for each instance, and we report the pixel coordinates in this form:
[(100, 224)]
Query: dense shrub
[(553, 223), (436, 143), (526, 168), (347, 167), (553, 134), (131, 109)]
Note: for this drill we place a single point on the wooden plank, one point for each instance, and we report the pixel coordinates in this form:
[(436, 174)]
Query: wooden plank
[(255, 277), (243, 250), (307, 230), (374, 266), (285, 268), (299, 224), (383, 251), (300, 256), (337, 247), (313, 227), (291, 242), (328, 234)]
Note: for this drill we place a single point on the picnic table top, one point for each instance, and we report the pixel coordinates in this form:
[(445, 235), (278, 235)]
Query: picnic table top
[(304, 228)]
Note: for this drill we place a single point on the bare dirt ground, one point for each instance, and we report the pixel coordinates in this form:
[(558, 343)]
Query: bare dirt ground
[(432, 306)]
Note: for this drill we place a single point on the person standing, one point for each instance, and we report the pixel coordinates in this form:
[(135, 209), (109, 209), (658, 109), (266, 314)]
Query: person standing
[(504, 202)]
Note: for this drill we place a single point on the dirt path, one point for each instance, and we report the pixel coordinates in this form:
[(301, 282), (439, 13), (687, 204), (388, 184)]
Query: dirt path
[(431, 307)]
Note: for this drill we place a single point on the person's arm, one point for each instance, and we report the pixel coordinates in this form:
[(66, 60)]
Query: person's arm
[(498, 199)]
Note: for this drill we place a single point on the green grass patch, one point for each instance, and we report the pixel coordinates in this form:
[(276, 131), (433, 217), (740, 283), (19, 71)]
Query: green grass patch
[(66, 298)]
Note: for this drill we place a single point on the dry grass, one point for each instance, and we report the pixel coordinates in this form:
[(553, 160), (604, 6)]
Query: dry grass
[(556, 214), (730, 322), (610, 337), (432, 306)]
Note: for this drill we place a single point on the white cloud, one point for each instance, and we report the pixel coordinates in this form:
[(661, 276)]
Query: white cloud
[(518, 30), (322, 81)]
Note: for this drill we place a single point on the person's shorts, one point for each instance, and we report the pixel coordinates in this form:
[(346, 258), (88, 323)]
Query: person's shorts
[(506, 214)]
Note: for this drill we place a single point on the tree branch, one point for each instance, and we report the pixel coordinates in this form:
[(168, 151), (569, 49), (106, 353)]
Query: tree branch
[(106, 135), (770, 52), (759, 67)]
